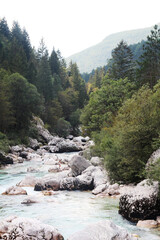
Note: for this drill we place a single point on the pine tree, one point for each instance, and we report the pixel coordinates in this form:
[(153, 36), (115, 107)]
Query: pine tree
[(149, 64), (121, 65), (44, 77)]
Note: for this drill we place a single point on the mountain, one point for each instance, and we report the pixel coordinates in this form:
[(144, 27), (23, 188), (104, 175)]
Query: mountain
[(98, 55)]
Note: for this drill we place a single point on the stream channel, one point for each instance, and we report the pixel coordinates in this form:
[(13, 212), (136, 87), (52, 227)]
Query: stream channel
[(68, 211)]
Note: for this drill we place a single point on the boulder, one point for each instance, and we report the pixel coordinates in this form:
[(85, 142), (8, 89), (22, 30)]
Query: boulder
[(78, 164), (85, 182), (99, 189), (55, 140), (17, 149), (153, 158), (103, 230), (48, 185), (42, 131), (28, 181), (99, 175), (27, 228), (23, 154), (29, 200), (113, 189), (69, 183), (14, 190), (34, 144), (147, 224), (141, 203), (96, 161), (67, 146), (4, 160)]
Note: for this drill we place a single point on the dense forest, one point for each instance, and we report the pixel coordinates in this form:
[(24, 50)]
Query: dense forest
[(32, 82), (118, 105)]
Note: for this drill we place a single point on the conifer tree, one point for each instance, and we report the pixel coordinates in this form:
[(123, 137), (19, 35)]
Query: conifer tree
[(149, 64), (121, 64)]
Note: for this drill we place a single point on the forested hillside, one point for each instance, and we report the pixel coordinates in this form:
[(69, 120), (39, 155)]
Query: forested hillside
[(32, 82), (98, 55), (123, 112)]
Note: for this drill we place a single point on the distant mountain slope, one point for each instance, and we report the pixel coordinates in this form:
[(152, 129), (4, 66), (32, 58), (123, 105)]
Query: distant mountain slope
[(98, 55)]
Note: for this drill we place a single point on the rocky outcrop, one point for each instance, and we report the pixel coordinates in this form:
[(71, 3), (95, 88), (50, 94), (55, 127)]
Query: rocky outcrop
[(14, 190), (78, 164), (104, 230), (4, 160), (141, 203), (26, 228)]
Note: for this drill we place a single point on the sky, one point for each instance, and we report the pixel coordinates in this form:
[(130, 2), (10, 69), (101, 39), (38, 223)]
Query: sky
[(74, 25)]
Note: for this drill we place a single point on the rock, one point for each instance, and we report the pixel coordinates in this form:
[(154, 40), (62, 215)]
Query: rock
[(158, 220), (31, 169), (96, 161), (34, 144), (14, 190), (153, 159), (141, 203), (147, 224), (99, 175), (70, 137), (85, 182), (54, 169), (55, 140), (42, 131), (80, 139), (20, 160), (78, 164), (17, 149), (103, 230), (4, 160), (67, 146), (27, 228), (48, 185), (23, 154), (29, 200), (28, 181), (34, 157), (69, 183), (86, 153), (99, 189), (113, 189)]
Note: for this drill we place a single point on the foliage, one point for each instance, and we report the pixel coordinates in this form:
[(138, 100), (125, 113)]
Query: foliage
[(63, 127), (128, 143), (153, 171), (104, 103)]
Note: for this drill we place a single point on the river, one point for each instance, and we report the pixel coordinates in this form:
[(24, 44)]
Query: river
[(68, 211)]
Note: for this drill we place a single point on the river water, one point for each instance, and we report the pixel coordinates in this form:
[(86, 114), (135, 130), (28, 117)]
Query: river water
[(68, 211)]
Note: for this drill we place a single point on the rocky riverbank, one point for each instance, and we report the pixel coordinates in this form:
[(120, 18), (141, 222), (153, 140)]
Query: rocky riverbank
[(76, 173)]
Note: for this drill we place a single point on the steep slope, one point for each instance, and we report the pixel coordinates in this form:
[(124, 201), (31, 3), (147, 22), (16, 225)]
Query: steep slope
[(98, 55)]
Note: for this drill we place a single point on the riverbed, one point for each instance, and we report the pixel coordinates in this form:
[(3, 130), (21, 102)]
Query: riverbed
[(68, 211)]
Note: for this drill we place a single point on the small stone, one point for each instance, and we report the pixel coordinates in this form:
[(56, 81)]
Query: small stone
[(147, 224)]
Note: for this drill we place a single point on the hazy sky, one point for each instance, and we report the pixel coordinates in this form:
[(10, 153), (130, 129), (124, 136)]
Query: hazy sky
[(73, 25)]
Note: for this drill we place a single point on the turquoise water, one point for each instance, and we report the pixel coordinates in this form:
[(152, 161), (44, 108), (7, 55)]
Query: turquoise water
[(68, 211)]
